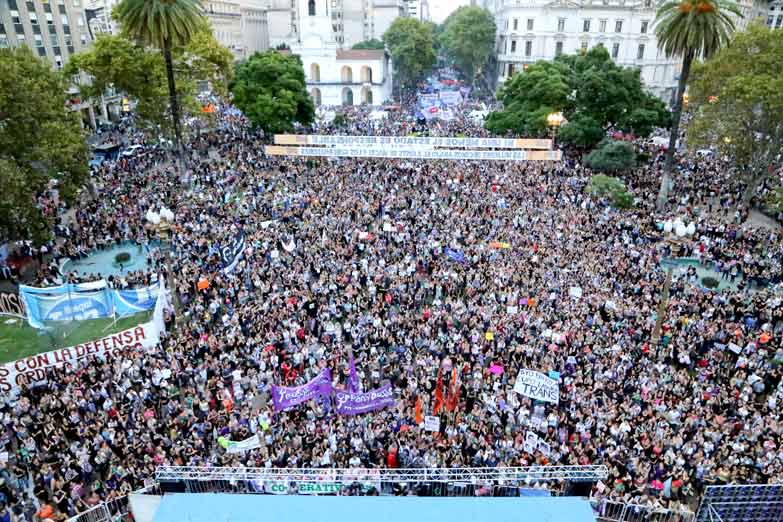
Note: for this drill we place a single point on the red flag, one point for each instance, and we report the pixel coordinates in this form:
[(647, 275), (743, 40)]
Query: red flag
[(419, 417), (438, 404), (453, 399)]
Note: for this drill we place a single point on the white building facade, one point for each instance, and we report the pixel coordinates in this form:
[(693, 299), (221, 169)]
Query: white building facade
[(338, 76), (533, 30), (775, 14)]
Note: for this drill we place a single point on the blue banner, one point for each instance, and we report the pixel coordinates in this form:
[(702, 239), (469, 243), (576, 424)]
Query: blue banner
[(455, 255)]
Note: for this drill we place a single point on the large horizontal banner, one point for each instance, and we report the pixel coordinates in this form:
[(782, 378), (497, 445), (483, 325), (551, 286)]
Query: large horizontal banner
[(32, 369), (413, 153), (404, 141), (77, 302), (363, 402), (285, 398), (281, 487), (538, 386)]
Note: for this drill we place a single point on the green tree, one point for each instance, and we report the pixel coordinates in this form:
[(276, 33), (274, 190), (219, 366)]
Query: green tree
[(269, 88), (40, 141), (164, 24), (612, 189), (411, 45), (589, 89), (468, 38), (737, 100), (374, 44), (612, 156), (583, 132), (690, 29)]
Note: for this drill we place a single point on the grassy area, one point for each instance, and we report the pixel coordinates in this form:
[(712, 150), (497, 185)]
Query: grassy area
[(18, 339)]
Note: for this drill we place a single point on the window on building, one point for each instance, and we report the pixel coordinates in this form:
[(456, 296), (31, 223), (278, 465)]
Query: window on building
[(530, 24), (84, 39), (33, 18), (77, 3), (529, 48), (602, 26), (61, 8), (583, 46), (3, 41), (20, 38), (38, 40), (770, 19), (647, 4), (510, 70), (58, 61), (80, 21), (49, 20), (30, 7), (311, 7), (558, 48), (586, 26), (64, 19), (779, 22), (643, 29), (54, 40), (615, 50), (15, 17), (47, 7), (640, 52), (513, 46), (618, 26), (560, 25), (516, 24)]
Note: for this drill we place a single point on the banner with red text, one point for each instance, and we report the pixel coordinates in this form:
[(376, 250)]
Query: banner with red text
[(33, 369)]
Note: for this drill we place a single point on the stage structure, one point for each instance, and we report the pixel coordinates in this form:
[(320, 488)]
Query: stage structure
[(413, 148), (751, 503)]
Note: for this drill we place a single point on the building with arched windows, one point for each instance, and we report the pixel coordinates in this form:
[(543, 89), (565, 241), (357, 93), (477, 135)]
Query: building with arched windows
[(337, 76)]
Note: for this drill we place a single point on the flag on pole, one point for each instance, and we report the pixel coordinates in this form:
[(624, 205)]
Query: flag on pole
[(438, 404), (453, 398), (353, 378), (419, 417)]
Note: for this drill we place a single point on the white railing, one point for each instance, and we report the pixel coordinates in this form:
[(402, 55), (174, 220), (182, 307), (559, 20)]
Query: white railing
[(612, 511), (413, 475)]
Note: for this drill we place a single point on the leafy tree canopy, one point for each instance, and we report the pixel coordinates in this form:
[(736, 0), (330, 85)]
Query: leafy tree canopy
[(612, 189), (40, 141), (369, 44), (269, 88), (612, 156), (411, 44), (737, 101), (119, 62), (468, 38), (589, 89)]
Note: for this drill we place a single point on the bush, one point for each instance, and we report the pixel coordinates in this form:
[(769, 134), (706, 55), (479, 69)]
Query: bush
[(710, 282), (612, 189), (122, 257), (612, 156)]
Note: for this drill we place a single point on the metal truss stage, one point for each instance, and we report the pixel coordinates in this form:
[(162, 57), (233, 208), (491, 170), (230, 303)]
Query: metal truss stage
[(751, 503)]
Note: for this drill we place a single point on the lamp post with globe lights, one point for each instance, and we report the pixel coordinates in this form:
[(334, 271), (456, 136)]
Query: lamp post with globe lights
[(555, 120), (676, 233)]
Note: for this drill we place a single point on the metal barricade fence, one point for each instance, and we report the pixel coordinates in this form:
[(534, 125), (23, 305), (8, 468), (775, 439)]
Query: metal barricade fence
[(115, 510), (612, 511)]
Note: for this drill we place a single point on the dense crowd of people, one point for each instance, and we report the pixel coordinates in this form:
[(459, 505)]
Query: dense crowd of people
[(347, 256)]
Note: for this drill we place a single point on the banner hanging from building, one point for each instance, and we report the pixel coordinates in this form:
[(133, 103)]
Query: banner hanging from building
[(349, 403), (537, 386), (284, 397), (387, 142), (414, 153), (33, 369)]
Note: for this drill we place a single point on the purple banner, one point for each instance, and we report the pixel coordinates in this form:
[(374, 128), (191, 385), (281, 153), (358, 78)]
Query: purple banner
[(357, 403), (284, 397)]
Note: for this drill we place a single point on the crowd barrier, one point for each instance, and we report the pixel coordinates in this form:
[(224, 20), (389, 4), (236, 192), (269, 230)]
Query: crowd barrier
[(612, 511)]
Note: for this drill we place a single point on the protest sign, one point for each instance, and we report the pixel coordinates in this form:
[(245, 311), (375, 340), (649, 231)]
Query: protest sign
[(33, 369), (284, 397), (244, 445), (538, 386), (356, 403), (431, 423)]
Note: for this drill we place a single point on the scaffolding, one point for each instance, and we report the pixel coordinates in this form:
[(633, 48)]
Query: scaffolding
[(506, 476)]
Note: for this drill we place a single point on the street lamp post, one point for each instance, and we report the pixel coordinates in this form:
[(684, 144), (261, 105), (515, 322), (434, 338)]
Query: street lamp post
[(677, 233), (555, 120)]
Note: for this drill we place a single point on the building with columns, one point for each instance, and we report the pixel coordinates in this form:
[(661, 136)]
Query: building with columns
[(532, 30), (337, 76)]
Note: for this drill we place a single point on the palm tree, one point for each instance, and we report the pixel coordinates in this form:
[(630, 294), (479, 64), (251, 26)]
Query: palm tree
[(164, 24), (691, 29)]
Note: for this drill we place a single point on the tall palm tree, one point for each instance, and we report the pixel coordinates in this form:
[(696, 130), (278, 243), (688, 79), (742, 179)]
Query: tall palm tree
[(164, 24), (691, 29)]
